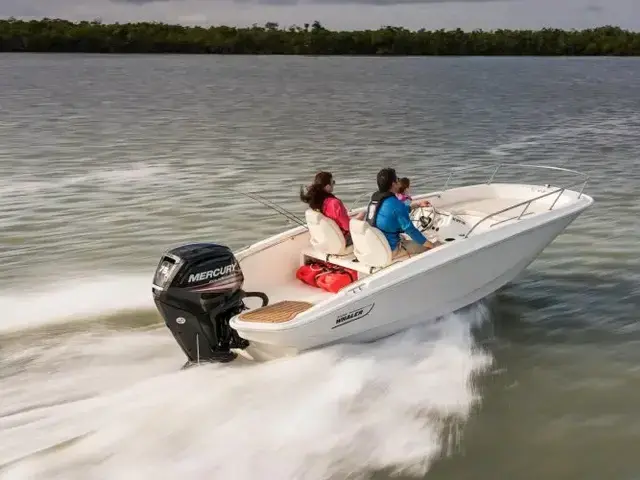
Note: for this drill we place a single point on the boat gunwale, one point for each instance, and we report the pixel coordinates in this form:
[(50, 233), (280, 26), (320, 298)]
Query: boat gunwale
[(542, 218), (249, 250), (496, 168), (261, 245)]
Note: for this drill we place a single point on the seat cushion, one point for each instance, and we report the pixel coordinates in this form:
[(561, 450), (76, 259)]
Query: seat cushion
[(325, 235), (370, 245)]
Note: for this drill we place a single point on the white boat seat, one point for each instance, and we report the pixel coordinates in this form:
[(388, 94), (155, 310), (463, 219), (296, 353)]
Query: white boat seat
[(347, 261), (370, 246), (325, 235)]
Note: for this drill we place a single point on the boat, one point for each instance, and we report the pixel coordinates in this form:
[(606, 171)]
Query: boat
[(220, 304)]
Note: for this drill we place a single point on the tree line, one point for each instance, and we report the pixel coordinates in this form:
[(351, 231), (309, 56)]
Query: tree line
[(56, 35)]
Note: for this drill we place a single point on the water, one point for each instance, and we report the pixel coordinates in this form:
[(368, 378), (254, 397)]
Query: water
[(108, 160)]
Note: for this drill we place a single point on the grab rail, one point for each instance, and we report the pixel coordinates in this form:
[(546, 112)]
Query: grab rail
[(497, 167), (527, 203)]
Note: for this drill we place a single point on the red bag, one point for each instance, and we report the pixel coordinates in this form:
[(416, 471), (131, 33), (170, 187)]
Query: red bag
[(309, 273), (328, 277), (336, 280)]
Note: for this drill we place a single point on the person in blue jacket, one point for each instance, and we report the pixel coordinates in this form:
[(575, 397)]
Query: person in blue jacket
[(391, 216)]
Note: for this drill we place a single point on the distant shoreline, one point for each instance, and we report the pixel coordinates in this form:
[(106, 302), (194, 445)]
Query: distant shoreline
[(63, 36)]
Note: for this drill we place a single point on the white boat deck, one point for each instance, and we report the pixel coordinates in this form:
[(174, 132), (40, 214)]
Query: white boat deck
[(294, 289), (471, 210), (271, 264), (475, 210)]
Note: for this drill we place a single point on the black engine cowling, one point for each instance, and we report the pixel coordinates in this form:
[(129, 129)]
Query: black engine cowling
[(197, 288)]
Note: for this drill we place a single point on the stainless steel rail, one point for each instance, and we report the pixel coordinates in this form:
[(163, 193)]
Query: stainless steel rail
[(526, 205), (496, 168), (584, 178)]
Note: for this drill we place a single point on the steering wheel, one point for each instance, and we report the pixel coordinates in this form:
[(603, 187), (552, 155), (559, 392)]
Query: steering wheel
[(426, 221)]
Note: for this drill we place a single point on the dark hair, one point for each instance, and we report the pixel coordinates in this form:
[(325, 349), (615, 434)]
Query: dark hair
[(404, 184), (316, 194), (385, 179)]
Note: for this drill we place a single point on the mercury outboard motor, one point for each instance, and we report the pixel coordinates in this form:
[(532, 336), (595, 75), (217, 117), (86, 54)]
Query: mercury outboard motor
[(197, 289)]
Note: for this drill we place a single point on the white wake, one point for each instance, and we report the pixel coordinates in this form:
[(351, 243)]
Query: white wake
[(113, 404)]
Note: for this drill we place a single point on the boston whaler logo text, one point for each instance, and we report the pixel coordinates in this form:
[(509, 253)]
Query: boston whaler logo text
[(353, 315), (212, 274)]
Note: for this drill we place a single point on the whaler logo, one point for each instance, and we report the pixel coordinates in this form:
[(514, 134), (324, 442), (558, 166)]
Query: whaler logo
[(212, 274), (353, 315)]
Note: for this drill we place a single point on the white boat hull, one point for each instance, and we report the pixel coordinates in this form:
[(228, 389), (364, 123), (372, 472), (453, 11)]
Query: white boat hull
[(416, 291)]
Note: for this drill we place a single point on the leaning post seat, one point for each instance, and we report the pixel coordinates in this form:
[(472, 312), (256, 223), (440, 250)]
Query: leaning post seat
[(325, 235), (370, 246), (369, 253)]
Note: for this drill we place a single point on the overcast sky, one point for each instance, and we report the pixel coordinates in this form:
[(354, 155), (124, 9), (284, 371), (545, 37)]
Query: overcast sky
[(344, 14)]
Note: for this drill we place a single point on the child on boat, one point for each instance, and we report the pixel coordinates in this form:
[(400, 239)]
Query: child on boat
[(403, 191)]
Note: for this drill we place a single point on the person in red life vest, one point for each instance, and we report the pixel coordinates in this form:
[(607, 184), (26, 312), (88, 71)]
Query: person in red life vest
[(319, 196)]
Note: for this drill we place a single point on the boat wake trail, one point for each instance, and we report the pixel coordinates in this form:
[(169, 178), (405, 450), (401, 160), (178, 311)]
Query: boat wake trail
[(112, 404), (73, 300)]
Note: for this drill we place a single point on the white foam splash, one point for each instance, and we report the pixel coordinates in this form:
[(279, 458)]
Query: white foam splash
[(134, 174), (77, 298), (596, 124), (331, 413)]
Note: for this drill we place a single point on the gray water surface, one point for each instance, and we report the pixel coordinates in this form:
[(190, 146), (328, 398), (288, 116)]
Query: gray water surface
[(108, 160)]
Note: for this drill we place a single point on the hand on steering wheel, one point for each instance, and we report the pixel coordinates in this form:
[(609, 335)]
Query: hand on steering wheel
[(424, 221)]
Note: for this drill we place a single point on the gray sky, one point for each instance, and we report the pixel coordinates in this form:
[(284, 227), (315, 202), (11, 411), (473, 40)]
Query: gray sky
[(344, 14)]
